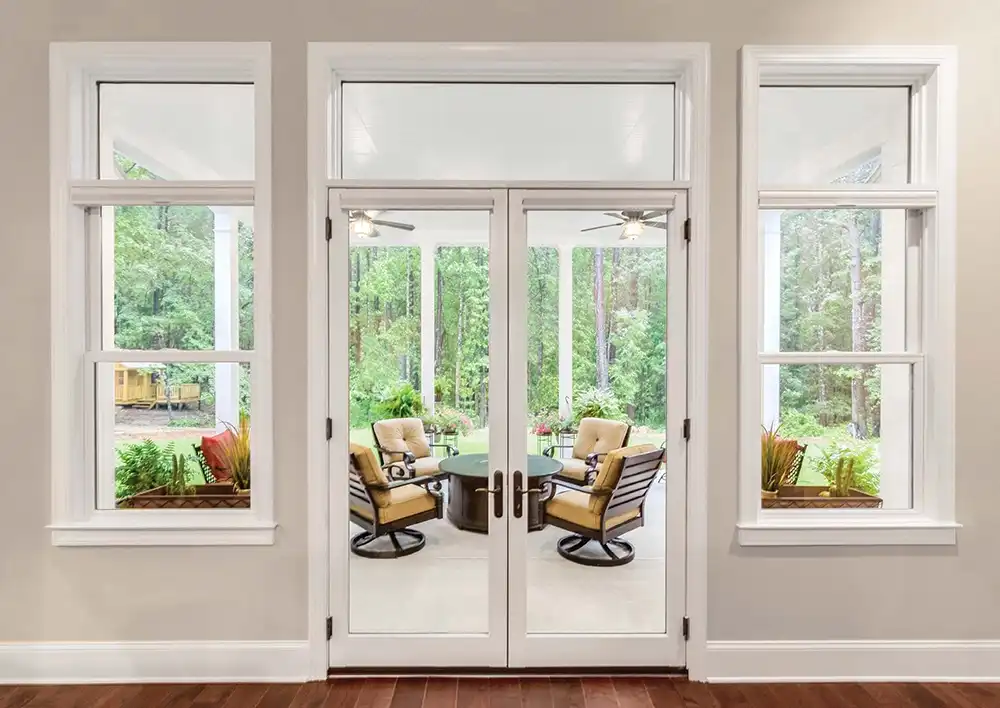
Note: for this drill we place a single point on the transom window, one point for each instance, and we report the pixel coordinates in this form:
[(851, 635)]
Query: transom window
[(846, 284)]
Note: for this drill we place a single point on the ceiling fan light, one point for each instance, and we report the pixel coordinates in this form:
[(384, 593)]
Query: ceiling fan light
[(363, 227), (632, 230)]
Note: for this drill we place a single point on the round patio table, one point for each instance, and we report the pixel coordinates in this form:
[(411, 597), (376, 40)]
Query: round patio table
[(469, 510)]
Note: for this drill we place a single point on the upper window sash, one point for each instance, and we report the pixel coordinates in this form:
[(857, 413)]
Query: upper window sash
[(928, 196)]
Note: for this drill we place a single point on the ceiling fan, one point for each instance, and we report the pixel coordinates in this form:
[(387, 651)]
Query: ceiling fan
[(632, 223), (363, 223)]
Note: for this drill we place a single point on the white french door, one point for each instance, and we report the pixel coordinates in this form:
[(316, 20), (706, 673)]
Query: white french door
[(438, 294)]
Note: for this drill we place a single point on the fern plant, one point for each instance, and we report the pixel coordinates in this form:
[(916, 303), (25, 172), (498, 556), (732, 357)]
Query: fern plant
[(178, 484), (595, 403), (402, 402), (142, 466)]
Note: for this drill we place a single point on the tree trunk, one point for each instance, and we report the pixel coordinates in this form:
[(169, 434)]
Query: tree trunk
[(458, 349), (600, 321), (616, 258), (356, 333), (859, 395), (439, 315)]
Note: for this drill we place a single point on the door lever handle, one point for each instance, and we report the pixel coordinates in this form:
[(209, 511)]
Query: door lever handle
[(496, 493), (519, 492)]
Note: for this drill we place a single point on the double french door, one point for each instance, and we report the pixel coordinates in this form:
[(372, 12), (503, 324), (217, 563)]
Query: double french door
[(476, 328)]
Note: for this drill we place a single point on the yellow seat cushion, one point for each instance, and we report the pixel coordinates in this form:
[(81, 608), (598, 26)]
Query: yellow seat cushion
[(427, 465), (406, 501), (598, 435), (611, 471), (574, 469), (402, 435), (574, 507), (370, 473)]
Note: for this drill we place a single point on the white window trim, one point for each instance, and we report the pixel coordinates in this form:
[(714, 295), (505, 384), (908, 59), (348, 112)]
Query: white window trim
[(687, 64), (932, 72), (74, 69)]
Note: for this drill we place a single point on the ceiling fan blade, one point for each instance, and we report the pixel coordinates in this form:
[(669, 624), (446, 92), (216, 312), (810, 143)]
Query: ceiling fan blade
[(595, 228), (652, 214), (394, 224), (616, 216), (656, 224)]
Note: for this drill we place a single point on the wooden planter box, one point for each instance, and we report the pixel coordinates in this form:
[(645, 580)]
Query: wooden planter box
[(205, 496), (806, 497)]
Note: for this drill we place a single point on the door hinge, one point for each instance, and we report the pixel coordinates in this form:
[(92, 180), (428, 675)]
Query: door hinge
[(329, 628), (687, 428), (329, 229), (329, 428), (686, 628), (687, 229)]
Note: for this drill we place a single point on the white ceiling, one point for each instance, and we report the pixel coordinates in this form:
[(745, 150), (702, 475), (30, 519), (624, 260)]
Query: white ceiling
[(504, 131)]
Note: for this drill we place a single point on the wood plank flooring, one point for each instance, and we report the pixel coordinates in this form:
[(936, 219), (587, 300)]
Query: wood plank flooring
[(540, 692)]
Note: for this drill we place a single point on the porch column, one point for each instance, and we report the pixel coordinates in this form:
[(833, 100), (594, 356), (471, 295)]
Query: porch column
[(770, 395), (565, 331), (227, 334), (427, 281)]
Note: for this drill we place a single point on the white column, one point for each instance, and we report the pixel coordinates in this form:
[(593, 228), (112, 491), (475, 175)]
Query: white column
[(428, 278), (565, 331), (227, 334), (105, 383), (770, 399), (894, 444)]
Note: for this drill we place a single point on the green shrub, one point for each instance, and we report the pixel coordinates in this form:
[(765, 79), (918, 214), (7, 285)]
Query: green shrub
[(595, 403), (142, 466), (840, 454), (797, 424), (403, 402)]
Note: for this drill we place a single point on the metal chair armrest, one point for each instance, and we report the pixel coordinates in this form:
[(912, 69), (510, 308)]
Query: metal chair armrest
[(452, 451), (548, 451)]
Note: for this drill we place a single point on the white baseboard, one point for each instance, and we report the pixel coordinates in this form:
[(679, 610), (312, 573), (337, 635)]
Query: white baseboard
[(853, 661), (146, 662)]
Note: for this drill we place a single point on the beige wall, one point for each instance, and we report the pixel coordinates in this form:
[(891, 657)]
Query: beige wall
[(59, 594)]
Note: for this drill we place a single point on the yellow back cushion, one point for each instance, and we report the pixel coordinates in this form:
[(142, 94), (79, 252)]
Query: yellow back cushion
[(598, 435), (371, 473), (611, 472), (402, 435)]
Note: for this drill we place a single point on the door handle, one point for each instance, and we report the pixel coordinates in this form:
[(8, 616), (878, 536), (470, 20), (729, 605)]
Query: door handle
[(519, 492), (496, 492)]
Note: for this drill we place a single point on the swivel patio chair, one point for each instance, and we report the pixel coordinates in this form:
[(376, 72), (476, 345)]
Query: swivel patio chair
[(595, 439), (614, 506), (389, 508), (403, 440)]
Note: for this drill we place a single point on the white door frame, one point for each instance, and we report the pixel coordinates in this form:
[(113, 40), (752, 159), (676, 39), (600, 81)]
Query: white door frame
[(601, 649), (687, 64)]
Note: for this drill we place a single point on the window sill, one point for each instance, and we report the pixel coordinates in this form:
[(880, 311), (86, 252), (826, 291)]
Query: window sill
[(921, 532), (164, 532)]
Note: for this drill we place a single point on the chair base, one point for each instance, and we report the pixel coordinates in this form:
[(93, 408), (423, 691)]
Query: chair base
[(569, 547), (404, 542)]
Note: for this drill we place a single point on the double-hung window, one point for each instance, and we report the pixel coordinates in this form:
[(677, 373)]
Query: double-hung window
[(847, 296), (160, 247)]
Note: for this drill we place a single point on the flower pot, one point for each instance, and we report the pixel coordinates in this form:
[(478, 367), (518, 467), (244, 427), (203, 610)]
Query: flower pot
[(807, 497), (766, 494), (204, 496)]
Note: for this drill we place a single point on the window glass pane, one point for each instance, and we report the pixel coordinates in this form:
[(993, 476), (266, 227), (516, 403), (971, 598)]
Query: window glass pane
[(176, 131), (173, 436), (179, 277), (835, 280), (508, 131), (842, 436), (820, 135)]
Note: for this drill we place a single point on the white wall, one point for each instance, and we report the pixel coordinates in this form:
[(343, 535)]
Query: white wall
[(65, 594)]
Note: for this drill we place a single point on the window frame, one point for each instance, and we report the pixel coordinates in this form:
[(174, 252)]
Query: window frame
[(931, 74), (75, 69)]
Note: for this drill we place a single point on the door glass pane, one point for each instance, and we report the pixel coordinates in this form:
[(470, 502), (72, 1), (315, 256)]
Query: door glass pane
[(811, 135), (597, 317), (495, 131), (418, 351)]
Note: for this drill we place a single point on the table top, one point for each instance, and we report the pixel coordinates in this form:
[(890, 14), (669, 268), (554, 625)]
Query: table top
[(477, 465)]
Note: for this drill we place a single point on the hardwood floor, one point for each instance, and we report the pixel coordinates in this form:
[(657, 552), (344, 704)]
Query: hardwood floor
[(541, 692)]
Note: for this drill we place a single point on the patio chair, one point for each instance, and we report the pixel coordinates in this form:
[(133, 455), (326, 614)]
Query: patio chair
[(402, 440), (389, 508), (614, 506), (595, 439)]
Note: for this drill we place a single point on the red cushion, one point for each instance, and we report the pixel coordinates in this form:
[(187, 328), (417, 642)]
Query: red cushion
[(211, 449)]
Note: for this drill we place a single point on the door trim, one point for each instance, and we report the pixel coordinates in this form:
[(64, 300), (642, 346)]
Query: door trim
[(689, 63)]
